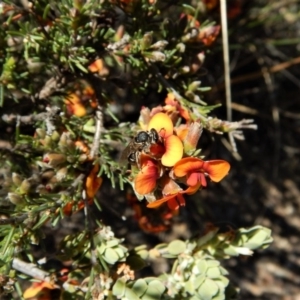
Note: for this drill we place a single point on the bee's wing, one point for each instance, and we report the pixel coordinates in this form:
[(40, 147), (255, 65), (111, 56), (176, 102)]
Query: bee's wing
[(123, 158)]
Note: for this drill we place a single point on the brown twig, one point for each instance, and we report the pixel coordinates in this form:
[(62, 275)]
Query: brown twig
[(99, 129), (12, 118), (51, 86), (14, 220), (226, 59), (31, 270), (255, 75)]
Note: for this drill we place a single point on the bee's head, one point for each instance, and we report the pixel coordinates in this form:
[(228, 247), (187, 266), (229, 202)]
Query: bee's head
[(142, 137)]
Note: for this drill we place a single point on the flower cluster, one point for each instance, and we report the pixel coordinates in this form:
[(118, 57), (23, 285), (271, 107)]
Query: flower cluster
[(172, 166)]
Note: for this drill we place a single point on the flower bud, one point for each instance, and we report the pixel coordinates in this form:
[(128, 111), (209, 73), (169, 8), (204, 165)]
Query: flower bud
[(61, 174), (160, 45), (191, 140), (41, 189), (82, 158), (25, 186), (190, 35), (47, 175), (34, 66), (181, 47), (156, 56), (15, 198), (47, 141), (146, 40), (54, 159), (55, 136), (65, 142), (41, 133), (16, 178)]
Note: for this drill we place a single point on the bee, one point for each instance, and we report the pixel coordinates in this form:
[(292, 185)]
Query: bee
[(140, 143)]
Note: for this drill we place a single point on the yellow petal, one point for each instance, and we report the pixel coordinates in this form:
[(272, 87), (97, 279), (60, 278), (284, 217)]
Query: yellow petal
[(162, 124), (174, 151)]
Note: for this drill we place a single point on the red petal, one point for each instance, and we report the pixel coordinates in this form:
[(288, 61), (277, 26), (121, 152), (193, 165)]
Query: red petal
[(176, 202)]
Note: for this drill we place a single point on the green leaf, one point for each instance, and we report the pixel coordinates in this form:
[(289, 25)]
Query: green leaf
[(112, 243), (231, 250), (198, 281), (202, 266), (222, 282), (189, 287), (120, 252), (111, 256), (154, 291), (130, 294), (176, 247), (81, 67), (213, 272), (261, 236), (208, 289), (119, 288), (212, 263), (140, 287)]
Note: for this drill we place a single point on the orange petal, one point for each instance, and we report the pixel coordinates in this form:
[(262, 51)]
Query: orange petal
[(174, 151), (93, 182), (184, 113), (159, 202), (182, 131), (145, 181), (192, 189), (187, 165), (74, 105), (81, 146), (162, 123), (170, 99), (96, 66), (36, 288), (216, 169)]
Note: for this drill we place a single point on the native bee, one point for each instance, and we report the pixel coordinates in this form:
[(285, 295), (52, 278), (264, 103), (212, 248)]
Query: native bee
[(140, 143)]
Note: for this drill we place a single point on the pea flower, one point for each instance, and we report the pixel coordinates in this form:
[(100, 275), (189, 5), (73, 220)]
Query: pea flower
[(195, 170)]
